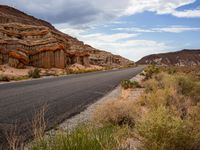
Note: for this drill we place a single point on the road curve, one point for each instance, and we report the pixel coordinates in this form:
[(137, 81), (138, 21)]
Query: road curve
[(64, 96)]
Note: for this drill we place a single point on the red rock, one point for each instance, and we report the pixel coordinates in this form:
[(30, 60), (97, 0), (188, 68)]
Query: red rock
[(26, 40)]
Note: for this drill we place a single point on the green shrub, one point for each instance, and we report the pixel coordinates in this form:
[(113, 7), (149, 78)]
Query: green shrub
[(85, 137), (127, 84), (161, 130), (150, 71), (4, 78), (172, 70), (34, 73), (20, 78)]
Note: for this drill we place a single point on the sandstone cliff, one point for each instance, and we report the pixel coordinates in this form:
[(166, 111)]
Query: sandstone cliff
[(180, 58), (26, 40)]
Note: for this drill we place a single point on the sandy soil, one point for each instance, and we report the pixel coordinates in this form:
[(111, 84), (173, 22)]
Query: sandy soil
[(10, 71), (81, 67), (6, 70)]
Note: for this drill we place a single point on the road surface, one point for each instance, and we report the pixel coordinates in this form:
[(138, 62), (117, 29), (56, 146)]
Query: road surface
[(64, 96)]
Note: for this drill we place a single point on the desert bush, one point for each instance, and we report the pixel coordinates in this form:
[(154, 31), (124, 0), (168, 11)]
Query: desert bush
[(34, 73), (127, 84), (4, 78), (84, 137), (172, 70), (189, 87), (194, 117), (193, 71), (116, 112), (162, 91), (151, 85), (160, 97), (186, 85), (172, 121), (161, 130), (150, 71), (195, 93)]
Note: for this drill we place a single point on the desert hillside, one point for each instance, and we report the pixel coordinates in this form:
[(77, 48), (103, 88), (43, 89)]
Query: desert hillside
[(28, 41), (180, 58)]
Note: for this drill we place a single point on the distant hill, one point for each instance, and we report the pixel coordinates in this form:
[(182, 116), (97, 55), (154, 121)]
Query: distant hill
[(185, 57)]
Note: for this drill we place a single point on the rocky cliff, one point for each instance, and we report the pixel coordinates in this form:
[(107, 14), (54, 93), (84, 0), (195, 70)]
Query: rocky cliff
[(180, 58), (26, 40)]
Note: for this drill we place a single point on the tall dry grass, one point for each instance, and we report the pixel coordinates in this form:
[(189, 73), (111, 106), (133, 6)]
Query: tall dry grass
[(14, 139), (116, 112), (39, 123), (172, 121)]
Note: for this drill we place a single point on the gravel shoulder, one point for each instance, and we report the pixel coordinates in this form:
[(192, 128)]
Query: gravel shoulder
[(87, 114)]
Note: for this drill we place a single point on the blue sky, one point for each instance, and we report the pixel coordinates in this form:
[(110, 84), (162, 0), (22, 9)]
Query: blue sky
[(131, 28)]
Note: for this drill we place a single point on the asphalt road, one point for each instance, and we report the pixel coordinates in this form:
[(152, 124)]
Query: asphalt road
[(64, 97)]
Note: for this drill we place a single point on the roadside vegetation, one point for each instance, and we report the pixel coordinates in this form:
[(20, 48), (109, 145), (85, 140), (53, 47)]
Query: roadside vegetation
[(5, 78), (165, 117), (35, 73), (79, 71), (171, 99), (128, 84), (84, 137)]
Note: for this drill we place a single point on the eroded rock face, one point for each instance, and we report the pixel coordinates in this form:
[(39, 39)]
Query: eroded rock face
[(37, 46), (25, 40)]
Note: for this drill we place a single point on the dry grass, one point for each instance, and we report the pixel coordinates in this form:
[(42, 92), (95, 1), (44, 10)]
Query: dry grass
[(172, 121), (161, 130), (39, 123), (14, 140), (116, 112), (84, 137)]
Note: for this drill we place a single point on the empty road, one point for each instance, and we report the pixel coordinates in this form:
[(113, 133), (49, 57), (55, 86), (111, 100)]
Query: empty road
[(64, 96)]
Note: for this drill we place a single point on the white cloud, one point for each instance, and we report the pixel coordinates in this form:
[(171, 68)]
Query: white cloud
[(107, 38), (170, 29), (123, 44), (133, 29), (132, 49), (187, 13), (162, 7), (176, 29)]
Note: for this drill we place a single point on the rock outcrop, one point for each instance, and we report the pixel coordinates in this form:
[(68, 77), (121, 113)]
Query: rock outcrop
[(181, 58), (25, 40)]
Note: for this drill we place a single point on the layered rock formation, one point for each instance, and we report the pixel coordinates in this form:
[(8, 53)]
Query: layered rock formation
[(25, 40), (181, 58)]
